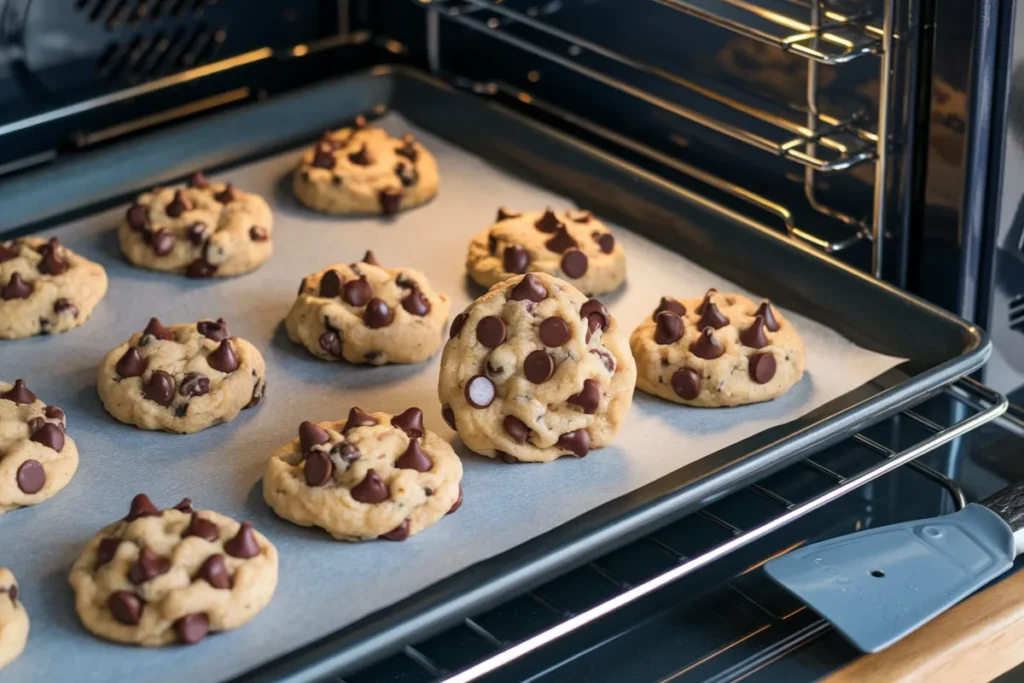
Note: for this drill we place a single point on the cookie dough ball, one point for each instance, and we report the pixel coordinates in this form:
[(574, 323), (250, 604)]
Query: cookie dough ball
[(158, 577), (205, 229), (181, 378), (573, 245), (363, 170), (37, 459), (13, 619), (535, 370), (366, 313), (722, 350), (372, 475), (45, 288)]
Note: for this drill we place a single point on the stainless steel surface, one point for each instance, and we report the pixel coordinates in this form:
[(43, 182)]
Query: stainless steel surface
[(882, 131)]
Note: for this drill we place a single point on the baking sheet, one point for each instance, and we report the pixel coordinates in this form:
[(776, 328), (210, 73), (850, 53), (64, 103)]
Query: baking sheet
[(325, 585)]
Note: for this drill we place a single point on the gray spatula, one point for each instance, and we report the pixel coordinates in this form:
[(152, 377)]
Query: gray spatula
[(877, 586)]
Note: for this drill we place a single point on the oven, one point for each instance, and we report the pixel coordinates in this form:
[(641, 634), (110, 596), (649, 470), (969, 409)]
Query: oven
[(884, 134)]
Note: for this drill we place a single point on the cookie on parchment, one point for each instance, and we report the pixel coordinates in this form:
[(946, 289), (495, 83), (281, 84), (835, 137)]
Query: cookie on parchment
[(719, 350), (45, 288), (572, 245), (37, 459), (535, 370), (13, 619), (158, 577), (367, 313), (181, 378), (205, 229), (363, 170), (372, 475)]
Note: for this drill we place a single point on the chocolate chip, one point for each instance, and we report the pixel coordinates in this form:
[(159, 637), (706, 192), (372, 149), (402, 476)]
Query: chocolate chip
[(126, 607), (55, 413), (202, 528), (162, 242), (178, 205), (457, 324), (31, 476), (410, 422), (479, 392), (346, 452), (331, 343), (668, 328), (194, 384), (574, 263), (200, 268), (371, 489), (414, 458), (337, 180), (668, 304), (16, 288), (596, 315), (399, 533), (706, 346), (457, 504), (373, 356), (371, 258), (53, 263), (106, 550), (491, 331), (227, 195), (259, 390), (581, 216), (258, 234), (377, 314), (516, 428), (604, 240), (357, 292), (19, 393), (577, 442), (9, 251), (357, 417), (159, 388), (324, 159), (196, 233), (141, 506), (318, 468), (390, 201), (35, 423), (405, 282), (361, 157), (561, 242), (765, 311), (408, 150), (131, 364), (492, 244), (707, 299), (548, 222), (515, 259), (12, 593), (360, 122), (156, 329), (539, 366), (407, 174), (223, 357), (504, 214), (192, 628), (181, 410), (554, 331), (198, 181), (449, 416), (606, 357), (711, 317), (50, 435), (244, 543), (137, 217), (61, 305), (754, 336), (508, 457), (215, 330), (311, 434), (589, 397), (415, 303), (147, 567), (762, 367), (330, 285), (215, 572), (686, 384), (184, 505)]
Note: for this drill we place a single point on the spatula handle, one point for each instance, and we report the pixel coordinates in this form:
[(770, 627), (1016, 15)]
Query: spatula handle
[(1008, 503)]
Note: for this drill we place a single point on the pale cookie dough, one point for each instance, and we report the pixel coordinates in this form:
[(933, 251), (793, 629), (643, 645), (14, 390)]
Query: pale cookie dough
[(719, 350), (534, 370), (158, 577), (37, 459), (13, 619), (363, 170), (181, 378), (45, 288), (572, 245), (372, 475), (366, 313), (206, 229)]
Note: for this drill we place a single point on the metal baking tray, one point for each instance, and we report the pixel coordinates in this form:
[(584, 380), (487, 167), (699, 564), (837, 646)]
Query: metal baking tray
[(940, 347)]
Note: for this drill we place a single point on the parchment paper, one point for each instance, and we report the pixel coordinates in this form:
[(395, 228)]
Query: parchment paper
[(324, 584)]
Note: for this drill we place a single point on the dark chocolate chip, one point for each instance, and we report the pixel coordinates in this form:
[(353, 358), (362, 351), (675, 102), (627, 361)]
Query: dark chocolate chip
[(707, 298), (126, 607), (762, 367), (346, 452), (106, 550), (196, 233), (408, 149), (16, 288), (686, 383), (19, 393), (53, 263), (529, 288), (754, 336), (668, 328), (399, 533), (706, 346), (668, 304), (141, 506), (10, 251), (331, 343), (55, 413), (561, 242), (361, 157), (515, 259), (159, 388), (605, 240), (198, 181), (548, 222), (504, 214), (181, 410), (414, 458), (156, 329), (457, 324), (192, 628), (516, 428), (244, 543), (574, 263), (50, 435), (258, 234), (410, 422), (223, 358), (577, 442), (491, 331), (371, 489), (492, 244), (765, 311), (357, 292), (35, 423), (194, 384), (539, 366), (371, 258), (259, 390), (227, 195), (449, 416), (149, 566), (178, 205), (337, 180), (508, 457), (215, 572), (377, 314), (589, 397), (131, 364), (581, 216), (357, 417), (200, 268), (407, 174), (457, 504), (215, 330), (415, 303), (596, 315), (162, 242), (61, 305), (137, 217), (479, 392), (311, 434), (185, 505), (324, 159), (31, 476), (712, 317), (405, 282), (202, 528), (318, 468), (554, 331), (330, 284), (390, 201)]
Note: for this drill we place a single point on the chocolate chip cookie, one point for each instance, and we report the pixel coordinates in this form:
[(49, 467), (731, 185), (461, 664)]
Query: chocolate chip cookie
[(366, 313), (45, 288), (13, 619), (535, 370), (205, 229), (573, 245), (158, 577), (363, 170), (719, 350), (181, 378), (37, 459), (372, 475)]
